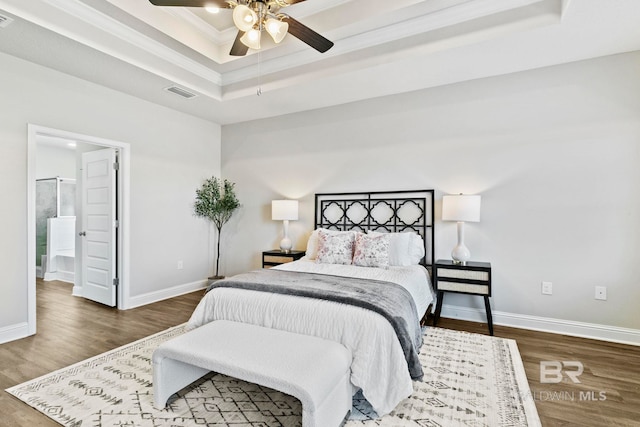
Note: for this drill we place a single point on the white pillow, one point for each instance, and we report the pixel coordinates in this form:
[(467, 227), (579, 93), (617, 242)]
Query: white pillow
[(416, 248), (406, 248), (312, 243), (335, 248), (371, 251)]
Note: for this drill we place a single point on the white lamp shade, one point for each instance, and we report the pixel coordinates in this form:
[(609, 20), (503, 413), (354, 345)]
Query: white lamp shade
[(461, 207), (284, 210), (244, 18), (251, 39), (277, 29)]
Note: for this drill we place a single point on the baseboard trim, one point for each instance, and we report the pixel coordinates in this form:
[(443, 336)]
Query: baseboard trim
[(62, 276), (151, 297), (14, 332), (546, 324)]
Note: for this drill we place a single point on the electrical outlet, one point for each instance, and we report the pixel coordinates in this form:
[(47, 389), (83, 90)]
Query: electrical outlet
[(180, 265), (601, 293), (547, 288)]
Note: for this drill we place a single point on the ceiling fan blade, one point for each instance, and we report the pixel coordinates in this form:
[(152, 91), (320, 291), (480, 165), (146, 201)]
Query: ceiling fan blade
[(239, 48), (307, 35), (191, 3), (290, 2)]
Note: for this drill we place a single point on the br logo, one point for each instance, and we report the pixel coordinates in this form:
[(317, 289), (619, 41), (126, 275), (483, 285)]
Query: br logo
[(552, 371)]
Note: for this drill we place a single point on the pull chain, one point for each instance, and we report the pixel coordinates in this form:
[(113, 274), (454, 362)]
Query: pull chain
[(259, 91)]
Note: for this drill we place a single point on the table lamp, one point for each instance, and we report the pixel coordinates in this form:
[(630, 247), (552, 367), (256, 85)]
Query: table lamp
[(461, 208), (285, 211)]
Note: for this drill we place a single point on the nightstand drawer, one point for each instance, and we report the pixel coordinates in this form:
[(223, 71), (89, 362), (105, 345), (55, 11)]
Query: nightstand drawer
[(464, 274), (469, 288), (277, 259)]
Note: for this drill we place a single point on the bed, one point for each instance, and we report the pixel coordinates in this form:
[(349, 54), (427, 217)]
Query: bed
[(373, 307)]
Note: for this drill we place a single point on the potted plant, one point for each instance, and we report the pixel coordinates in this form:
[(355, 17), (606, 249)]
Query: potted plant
[(216, 201)]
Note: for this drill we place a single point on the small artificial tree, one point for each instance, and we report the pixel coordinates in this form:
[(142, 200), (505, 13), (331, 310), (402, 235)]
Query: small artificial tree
[(216, 201)]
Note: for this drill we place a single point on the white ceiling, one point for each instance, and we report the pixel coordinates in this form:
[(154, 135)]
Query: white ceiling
[(381, 47)]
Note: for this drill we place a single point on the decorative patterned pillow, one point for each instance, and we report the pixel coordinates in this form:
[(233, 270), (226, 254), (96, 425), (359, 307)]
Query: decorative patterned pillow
[(312, 242), (335, 248), (372, 251)]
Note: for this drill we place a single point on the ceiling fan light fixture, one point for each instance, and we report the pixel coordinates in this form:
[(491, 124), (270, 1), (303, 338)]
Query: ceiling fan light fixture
[(244, 18), (277, 29), (251, 39), (251, 17)]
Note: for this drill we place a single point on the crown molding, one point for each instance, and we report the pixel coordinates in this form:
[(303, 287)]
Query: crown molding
[(97, 19), (105, 25)]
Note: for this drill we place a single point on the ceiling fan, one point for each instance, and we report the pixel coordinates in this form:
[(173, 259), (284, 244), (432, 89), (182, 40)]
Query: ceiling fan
[(251, 17)]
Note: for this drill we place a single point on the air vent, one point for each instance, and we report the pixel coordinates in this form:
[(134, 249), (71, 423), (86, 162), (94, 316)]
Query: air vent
[(180, 91), (5, 21)]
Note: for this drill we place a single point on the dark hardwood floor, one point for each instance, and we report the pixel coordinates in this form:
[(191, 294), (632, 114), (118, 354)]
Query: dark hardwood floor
[(72, 329)]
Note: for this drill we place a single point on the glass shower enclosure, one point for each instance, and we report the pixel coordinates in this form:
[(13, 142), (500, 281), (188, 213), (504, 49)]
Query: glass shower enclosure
[(55, 197)]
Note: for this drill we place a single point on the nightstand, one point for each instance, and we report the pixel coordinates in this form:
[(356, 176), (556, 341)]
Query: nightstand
[(277, 257), (473, 278)]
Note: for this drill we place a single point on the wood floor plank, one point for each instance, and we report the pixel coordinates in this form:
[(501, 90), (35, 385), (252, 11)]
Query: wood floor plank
[(71, 329)]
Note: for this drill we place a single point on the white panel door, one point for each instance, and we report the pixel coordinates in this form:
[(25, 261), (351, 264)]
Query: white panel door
[(99, 226)]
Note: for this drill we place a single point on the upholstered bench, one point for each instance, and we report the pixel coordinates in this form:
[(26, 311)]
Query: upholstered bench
[(314, 370)]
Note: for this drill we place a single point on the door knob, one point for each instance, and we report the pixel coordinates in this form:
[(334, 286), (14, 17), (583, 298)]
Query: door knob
[(82, 233)]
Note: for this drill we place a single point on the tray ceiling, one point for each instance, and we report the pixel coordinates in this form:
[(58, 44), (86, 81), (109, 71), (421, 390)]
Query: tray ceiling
[(381, 47)]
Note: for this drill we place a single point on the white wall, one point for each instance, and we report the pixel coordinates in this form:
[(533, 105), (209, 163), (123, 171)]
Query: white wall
[(554, 152), (55, 161), (171, 153)]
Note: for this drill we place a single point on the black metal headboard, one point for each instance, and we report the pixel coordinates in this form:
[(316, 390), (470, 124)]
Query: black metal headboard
[(385, 211)]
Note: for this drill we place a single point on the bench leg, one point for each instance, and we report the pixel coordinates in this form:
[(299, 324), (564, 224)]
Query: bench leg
[(171, 376), (332, 411)]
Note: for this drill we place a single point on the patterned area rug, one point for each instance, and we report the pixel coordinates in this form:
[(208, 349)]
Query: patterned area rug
[(470, 380)]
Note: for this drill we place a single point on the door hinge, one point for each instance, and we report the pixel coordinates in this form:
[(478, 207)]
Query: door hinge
[(116, 223), (116, 165), (116, 281)]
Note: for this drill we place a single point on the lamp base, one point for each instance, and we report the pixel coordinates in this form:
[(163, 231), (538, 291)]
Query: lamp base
[(460, 254), (285, 245)]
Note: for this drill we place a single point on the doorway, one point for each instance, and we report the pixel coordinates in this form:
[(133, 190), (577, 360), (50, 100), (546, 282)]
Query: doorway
[(122, 184)]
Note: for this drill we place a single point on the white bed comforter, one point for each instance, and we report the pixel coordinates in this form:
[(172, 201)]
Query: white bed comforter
[(379, 367)]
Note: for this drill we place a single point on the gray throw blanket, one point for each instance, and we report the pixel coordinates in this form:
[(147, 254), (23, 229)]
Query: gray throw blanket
[(388, 299)]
